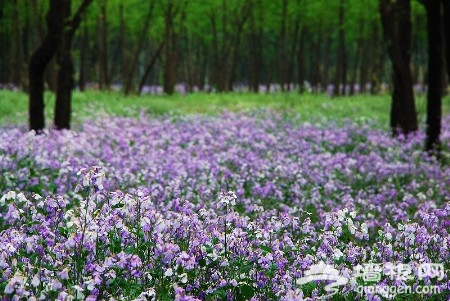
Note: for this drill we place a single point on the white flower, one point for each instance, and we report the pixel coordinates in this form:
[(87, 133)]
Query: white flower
[(183, 278), (168, 272), (35, 281), (11, 195), (364, 228), (337, 254), (388, 236)]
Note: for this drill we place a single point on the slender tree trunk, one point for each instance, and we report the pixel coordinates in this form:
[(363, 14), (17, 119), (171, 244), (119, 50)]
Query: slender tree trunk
[(446, 28), (282, 47), (170, 50), (65, 76), (103, 47), (150, 66), (356, 67), (122, 45), (83, 58), (239, 27), (66, 67), (203, 55), (291, 65), (341, 68), (316, 74), (301, 59), (214, 70), (137, 52), (16, 48), (395, 17), (39, 61), (435, 69), (326, 62)]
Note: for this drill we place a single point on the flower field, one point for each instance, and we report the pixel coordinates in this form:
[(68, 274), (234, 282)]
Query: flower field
[(231, 207)]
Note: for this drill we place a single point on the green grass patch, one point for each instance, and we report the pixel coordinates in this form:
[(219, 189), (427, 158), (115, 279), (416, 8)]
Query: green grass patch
[(14, 105)]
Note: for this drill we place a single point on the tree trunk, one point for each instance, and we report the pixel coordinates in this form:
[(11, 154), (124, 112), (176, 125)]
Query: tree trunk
[(65, 67), (122, 46), (103, 47), (446, 27), (239, 26), (83, 58), (292, 53), (301, 59), (255, 58), (65, 77), (170, 50), (149, 67), (341, 68), (137, 52), (359, 47), (39, 61), (16, 48), (435, 69), (395, 17), (326, 62), (282, 47)]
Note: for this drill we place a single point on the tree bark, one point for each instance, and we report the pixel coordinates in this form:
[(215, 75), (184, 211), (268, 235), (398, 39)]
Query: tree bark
[(137, 52), (103, 47), (255, 56), (170, 50), (149, 67), (39, 61), (66, 69), (83, 59), (446, 27), (435, 70), (395, 18), (300, 60), (282, 47), (341, 68), (122, 46), (358, 54)]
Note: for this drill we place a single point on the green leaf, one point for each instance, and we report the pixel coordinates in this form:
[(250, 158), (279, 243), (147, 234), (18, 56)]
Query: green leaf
[(246, 292), (266, 248), (202, 262)]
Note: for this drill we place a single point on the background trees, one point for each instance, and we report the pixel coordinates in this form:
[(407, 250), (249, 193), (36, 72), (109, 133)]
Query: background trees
[(216, 45)]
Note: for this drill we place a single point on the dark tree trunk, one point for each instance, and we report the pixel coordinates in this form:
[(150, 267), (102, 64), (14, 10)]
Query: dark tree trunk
[(315, 67), (137, 52), (83, 59), (282, 47), (358, 54), (15, 48), (255, 60), (435, 70), (170, 68), (326, 62), (65, 67), (149, 67), (122, 46), (300, 60), (239, 26), (396, 21), (341, 68), (103, 47), (292, 54), (446, 27), (39, 61)]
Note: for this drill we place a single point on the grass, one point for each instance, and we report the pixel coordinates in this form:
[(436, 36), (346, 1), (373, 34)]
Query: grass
[(13, 105)]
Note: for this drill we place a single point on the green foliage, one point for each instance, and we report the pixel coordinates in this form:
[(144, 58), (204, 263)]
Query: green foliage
[(14, 105)]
